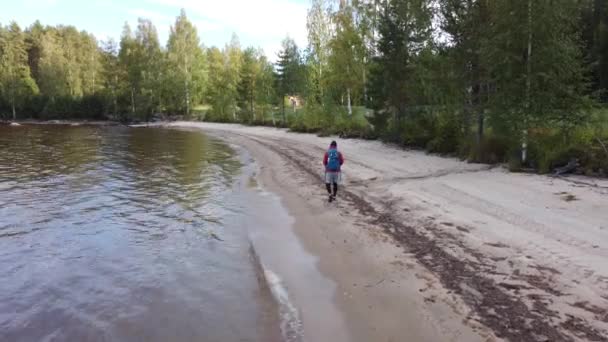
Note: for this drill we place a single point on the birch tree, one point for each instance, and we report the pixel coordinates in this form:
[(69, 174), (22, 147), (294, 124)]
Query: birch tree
[(187, 64)]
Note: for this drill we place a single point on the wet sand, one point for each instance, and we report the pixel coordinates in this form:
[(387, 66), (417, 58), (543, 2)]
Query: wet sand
[(423, 248)]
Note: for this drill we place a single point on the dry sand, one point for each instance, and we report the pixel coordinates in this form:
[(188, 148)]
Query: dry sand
[(424, 248)]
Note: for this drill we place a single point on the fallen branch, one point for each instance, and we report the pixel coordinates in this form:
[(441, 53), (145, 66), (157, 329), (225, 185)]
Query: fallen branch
[(603, 146), (378, 283), (215, 236)]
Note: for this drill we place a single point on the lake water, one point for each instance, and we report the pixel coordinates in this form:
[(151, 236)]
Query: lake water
[(128, 234)]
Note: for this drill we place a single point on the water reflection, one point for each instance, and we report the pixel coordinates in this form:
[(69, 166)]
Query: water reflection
[(105, 234)]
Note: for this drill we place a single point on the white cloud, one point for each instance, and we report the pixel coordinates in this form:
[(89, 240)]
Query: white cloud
[(260, 23)]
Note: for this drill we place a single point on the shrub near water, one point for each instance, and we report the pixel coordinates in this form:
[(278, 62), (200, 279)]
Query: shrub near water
[(325, 121), (550, 149)]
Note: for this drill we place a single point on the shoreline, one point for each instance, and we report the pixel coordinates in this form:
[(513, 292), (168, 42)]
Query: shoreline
[(425, 248), (420, 249), (377, 287), (62, 122)]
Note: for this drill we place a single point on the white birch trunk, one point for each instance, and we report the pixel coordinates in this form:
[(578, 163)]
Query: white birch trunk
[(350, 108), (132, 100)]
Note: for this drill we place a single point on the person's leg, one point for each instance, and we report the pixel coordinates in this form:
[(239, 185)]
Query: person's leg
[(328, 185), (335, 189)]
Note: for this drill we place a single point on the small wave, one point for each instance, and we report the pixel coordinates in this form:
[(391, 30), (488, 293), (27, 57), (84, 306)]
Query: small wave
[(292, 329), (291, 324)]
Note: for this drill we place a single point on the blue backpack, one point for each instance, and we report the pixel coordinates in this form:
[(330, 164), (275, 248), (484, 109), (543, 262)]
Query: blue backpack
[(333, 160)]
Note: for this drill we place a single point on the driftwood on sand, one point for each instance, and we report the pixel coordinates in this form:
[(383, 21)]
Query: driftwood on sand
[(568, 168), (603, 145)]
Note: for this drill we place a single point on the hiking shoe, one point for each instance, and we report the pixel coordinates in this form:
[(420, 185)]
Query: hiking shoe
[(331, 198)]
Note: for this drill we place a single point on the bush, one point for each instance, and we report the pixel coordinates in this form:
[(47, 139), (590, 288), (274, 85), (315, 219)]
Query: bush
[(417, 130), (492, 149), (447, 137), (553, 148)]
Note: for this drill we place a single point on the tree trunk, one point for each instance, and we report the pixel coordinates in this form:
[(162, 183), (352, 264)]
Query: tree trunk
[(481, 88), (187, 98), (132, 101), (365, 83), (524, 144), (350, 108), (480, 126), (251, 104), (284, 117), (14, 112)]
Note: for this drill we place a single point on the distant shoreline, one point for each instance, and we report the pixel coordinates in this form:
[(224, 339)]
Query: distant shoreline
[(63, 122)]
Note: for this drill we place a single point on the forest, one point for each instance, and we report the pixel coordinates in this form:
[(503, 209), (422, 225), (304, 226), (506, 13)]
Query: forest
[(496, 81)]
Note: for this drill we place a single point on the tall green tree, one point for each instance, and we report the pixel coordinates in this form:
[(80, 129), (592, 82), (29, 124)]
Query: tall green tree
[(113, 77), (466, 23), (128, 61), (187, 64), (16, 83), (250, 72), (141, 56), (537, 64), (234, 62), (219, 93), (404, 30), (290, 73), (89, 59), (347, 57), (53, 66), (34, 36), (594, 23), (265, 89), (320, 33)]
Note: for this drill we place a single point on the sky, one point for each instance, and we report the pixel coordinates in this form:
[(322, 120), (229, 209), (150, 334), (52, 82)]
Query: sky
[(257, 23)]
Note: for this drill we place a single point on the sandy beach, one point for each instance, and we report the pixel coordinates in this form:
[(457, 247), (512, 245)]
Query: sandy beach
[(425, 248)]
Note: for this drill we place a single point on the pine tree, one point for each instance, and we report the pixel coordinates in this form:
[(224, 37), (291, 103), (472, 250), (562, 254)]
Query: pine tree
[(466, 23), (537, 64), (289, 72), (404, 31), (594, 24)]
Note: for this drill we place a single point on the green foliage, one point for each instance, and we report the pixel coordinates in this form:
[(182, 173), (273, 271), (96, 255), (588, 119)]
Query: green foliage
[(447, 137), (551, 149), (346, 62), (16, 84), (467, 77), (492, 149), (185, 73), (290, 75)]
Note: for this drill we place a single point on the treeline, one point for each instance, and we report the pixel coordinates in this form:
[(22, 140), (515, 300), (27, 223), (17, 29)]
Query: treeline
[(490, 80), (62, 73)]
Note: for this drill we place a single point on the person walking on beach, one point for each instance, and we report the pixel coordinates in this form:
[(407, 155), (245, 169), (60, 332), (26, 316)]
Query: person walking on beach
[(332, 161)]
